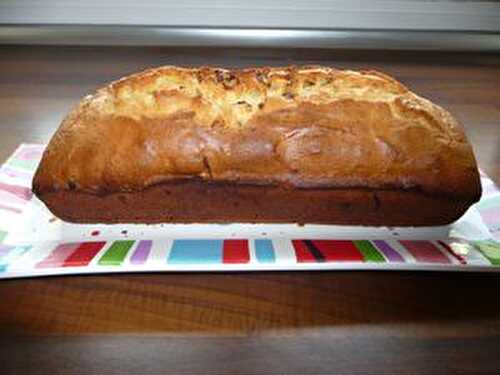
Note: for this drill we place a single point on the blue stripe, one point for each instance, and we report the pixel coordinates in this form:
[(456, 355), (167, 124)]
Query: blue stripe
[(264, 251), (4, 251), (196, 252), (12, 256)]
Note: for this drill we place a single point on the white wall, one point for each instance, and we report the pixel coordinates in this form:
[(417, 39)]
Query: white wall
[(356, 14)]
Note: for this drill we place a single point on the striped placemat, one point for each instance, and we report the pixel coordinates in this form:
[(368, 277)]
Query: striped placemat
[(246, 254)]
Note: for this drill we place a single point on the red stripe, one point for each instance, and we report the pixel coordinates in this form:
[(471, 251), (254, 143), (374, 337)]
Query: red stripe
[(57, 257), (83, 254), (302, 252), (425, 251), (450, 251), (338, 251), (235, 251)]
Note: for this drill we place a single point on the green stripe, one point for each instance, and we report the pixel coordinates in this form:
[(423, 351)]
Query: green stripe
[(370, 253), (489, 203), (3, 234), (28, 165), (490, 249), (115, 255)]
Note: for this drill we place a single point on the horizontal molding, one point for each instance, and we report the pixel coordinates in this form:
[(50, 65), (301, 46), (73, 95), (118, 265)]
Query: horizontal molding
[(98, 35)]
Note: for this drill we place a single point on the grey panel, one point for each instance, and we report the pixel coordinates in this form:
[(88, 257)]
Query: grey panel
[(237, 37), (288, 14)]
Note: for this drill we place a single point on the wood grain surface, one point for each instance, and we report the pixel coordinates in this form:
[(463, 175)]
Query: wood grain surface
[(248, 323)]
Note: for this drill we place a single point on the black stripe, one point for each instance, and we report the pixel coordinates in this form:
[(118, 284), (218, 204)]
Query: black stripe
[(314, 251)]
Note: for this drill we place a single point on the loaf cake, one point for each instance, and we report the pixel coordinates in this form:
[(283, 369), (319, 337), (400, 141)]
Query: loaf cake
[(308, 144)]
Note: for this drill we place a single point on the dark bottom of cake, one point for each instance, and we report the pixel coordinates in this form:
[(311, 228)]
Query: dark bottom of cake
[(202, 202)]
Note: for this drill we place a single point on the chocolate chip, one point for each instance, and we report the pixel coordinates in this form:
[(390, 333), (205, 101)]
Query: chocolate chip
[(261, 77), (229, 80), (219, 76), (199, 77)]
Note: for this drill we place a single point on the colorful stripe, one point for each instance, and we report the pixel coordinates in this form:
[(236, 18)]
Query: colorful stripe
[(28, 165), (450, 251), (11, 256), (83, 254), (29, 152), (491, 215), (58, 256), (326, 251), (425, 251), (3, 234), (264, 251), (20, 192), (284, 251), (196, 252), (302, 252), (14, 173), (15, 259), (160, 250), (11, 209), (4, 250), (390, 253), (141, 252), (116, 253), (476, 258), (490, 249), (370, 253), (313, 249), (489, 202), (11, 199), (407, 256), (338, 250), (489, 188), (236, 251)]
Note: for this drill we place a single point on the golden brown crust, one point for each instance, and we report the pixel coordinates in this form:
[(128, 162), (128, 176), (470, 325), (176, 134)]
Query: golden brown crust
[(302, 127)]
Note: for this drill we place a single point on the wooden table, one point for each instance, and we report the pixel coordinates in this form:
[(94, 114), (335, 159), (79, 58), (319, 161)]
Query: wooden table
[(248, 323)]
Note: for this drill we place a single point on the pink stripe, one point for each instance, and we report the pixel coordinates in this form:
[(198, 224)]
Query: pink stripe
[(10, 172), (29, 151), (29, 154), (7, 197), (425, 251), (490, 189), (58, 256), (491, 215), (19, 191), (12, 209)]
